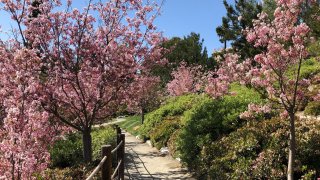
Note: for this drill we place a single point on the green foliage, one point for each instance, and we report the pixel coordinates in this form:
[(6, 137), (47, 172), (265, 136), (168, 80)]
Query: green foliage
[(173, 143), (200, 124), (173, 107), (313, 108), (160, 135), (131, 124), (309, 16), (309, 68), (80, 171), (209, 120), (314, 48), (232, 26), (68, 152), (259, 151), (102, 136), (188, 49), (269, 6)]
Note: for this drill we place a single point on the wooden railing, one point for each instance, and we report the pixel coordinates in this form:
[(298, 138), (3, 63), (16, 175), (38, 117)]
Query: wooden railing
[(105, 164)]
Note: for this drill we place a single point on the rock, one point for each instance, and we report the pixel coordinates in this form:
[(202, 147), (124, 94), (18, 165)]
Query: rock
[(138, 137), (164, 151), (149, 143)]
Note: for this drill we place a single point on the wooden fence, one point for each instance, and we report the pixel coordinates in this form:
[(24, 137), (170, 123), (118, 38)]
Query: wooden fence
[(105, 164)]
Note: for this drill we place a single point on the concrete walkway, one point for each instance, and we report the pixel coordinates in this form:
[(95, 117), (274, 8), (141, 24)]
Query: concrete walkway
[(117, 120), (144, 162)]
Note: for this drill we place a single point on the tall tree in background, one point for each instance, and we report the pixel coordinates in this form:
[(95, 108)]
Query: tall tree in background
[(188, 49), (186, 79), (238, 18), (146, 94), (268, 6), (310, 15)]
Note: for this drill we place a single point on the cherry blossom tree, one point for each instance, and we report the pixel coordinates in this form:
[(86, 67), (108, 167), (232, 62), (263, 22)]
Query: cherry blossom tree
[(89, 57), (186, 79), (284, 39), (230, 70), (26, 132), (146, 94), (215, 83)]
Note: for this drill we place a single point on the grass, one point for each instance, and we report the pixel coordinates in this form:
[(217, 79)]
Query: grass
[(131, 124)]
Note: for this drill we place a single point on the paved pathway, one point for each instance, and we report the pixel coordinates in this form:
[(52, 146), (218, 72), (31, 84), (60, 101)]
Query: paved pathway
[(117, 120), (145, 163)]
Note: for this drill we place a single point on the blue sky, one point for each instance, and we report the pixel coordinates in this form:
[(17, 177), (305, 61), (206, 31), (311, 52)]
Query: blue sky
[(181, 17), (178, 18)]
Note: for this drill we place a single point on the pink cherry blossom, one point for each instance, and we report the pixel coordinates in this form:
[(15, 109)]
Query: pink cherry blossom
[(186, 80), (73, 66)]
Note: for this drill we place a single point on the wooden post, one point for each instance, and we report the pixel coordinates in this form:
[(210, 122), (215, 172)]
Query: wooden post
[(121, 155), (118, 130), (106, 170), (118, 154)]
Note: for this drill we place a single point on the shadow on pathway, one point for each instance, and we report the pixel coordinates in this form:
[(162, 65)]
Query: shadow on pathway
[(144, 162)]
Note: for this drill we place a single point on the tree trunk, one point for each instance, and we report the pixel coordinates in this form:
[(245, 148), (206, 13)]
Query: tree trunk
[(87, 145), (292, 148), (142, 115)]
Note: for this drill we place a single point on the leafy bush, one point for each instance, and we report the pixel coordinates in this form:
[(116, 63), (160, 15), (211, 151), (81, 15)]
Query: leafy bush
[(259, 151), (80, 171), (209, 120), (173, 107), (313, 108), (173, 143), (161, 133), (68, 152), (102, 136), (314, 48), (309, 68)]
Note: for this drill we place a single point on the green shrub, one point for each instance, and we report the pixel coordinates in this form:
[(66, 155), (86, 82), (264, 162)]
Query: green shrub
[(80, 171), (160, 135), (314, 48), (173, 107), (102, 136), (309, 68), (68, 152), (259, 151), (209, 120), (313, 108), (173, 144)]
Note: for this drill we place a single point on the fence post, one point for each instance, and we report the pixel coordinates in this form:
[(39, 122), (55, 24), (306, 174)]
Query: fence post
[(118, 130), (106, 169), (121, 156), (118, 155)]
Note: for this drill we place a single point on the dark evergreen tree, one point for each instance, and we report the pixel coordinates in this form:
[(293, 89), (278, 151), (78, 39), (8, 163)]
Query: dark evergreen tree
[(268, 7), (239, 17), (188, 49)]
